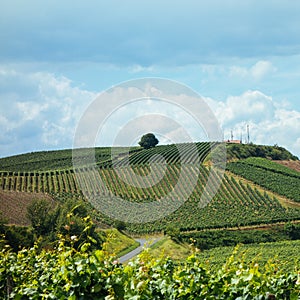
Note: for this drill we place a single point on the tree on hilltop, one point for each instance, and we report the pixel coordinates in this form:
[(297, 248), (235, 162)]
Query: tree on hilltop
[(148, 141)]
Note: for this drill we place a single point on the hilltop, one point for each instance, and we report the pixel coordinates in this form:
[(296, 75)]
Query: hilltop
[(241, 151), (62, 159)]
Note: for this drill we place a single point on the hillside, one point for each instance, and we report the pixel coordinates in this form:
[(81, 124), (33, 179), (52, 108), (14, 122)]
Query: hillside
[(238, 202), (270, 175)]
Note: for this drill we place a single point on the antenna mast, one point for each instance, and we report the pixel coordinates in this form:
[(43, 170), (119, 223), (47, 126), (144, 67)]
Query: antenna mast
[(248, 133)]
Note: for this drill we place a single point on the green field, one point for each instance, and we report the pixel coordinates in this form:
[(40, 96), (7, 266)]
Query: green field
[(284, 253)]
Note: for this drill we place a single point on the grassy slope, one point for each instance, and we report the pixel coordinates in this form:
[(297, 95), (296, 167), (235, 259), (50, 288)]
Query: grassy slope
[(119, 243), (169, 248)]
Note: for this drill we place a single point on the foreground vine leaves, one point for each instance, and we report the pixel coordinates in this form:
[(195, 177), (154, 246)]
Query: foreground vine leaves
[(83, 273)]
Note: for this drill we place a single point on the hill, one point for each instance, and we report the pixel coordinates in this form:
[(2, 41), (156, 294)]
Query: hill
[(250, 200)]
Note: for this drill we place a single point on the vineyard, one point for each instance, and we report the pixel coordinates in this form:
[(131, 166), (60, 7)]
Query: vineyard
[(104, 157), (235, 204), (294, 165), (59, 159), (271, 166), (171, 154), (270, 175)]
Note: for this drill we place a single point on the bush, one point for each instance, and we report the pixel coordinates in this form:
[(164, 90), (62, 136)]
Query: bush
[(293, 231), (19, 237), (42, 216)]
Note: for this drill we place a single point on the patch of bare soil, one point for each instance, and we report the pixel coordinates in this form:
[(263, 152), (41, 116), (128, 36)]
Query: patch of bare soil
[(295, 165), (13, 205)]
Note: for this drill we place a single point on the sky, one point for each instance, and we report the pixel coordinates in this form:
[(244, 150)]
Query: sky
[(56, 57)]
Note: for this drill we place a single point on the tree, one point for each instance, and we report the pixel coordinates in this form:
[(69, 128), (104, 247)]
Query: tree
[(69, 220), (173, 232), (292, 230), (148, 141), (42, 216)]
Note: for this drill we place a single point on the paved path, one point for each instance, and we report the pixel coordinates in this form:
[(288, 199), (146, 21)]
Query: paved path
[(143, 242)]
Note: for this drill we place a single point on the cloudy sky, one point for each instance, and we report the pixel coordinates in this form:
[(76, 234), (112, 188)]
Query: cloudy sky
[(242, 57)]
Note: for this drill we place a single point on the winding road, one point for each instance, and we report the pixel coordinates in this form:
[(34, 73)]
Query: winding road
[(143, 242)]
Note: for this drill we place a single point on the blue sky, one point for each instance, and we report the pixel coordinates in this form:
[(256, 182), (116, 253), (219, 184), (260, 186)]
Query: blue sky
[(242, 57)]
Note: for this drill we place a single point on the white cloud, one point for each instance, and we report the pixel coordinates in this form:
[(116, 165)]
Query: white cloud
[(30, 110), (38, 111), (261, 69), (257, 72), (250, 106), (281, 130)]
